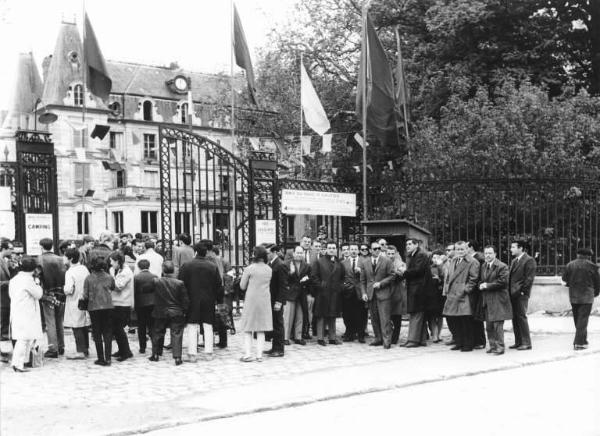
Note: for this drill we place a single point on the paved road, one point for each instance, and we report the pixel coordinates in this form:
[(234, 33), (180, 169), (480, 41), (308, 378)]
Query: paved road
[(551, 399)]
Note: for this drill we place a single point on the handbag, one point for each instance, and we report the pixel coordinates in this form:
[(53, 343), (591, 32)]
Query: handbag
[(82, 304), (223, 318)]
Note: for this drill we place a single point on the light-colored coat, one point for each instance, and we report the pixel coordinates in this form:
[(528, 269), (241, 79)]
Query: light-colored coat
[(74, 280), (257, 315), (461, 282), (156, 262), (123, 294), (25, 317)]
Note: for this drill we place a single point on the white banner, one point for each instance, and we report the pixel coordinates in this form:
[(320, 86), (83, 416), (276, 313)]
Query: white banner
[(266, 232), (298, 202), (5, 200), (37, 226), (7, 224)]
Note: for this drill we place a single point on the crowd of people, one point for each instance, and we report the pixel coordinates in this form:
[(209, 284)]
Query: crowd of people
[(110, 286)]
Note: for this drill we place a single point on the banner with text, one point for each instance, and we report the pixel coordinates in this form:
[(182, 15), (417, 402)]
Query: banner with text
[(299, 202)]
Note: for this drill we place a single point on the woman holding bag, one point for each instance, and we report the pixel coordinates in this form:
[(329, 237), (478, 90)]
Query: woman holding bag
[(75, 318), (25, 317)]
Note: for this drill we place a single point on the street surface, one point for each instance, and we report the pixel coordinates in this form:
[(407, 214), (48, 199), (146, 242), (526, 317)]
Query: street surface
[(80, 398)]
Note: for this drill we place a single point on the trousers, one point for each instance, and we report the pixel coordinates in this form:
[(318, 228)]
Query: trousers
[(307, 314), (176, 325), (464, 332), (495, 334), (192, 332), (144, 320), (381, 319), (102, 332), (581, 317), (21, 352), (330, 322), (82, 339), (292, 320), (520, 324), (278, 330), (120, 318), (417, 332), (53, 316)]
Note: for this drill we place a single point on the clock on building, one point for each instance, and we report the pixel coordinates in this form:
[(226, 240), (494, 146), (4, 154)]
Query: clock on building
[(179, 84)]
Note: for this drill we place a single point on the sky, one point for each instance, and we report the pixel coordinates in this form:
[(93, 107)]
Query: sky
[(194, 33)]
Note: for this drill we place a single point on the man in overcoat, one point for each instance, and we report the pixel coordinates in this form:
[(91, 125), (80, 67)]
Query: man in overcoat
[(495, 301), (376, 278), (419, 285), (299, 284), (475, 297), (520, 280), (279, 290), (354, 310), (461, 282), (205, 289), (582, 278), (328, 281)]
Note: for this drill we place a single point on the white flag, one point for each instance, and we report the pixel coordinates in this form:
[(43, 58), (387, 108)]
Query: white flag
[(314, 114), (326, 143), (359, 139), (306, 144)]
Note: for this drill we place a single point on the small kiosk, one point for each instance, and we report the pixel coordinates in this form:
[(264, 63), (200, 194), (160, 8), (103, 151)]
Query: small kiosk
[(396, 232)]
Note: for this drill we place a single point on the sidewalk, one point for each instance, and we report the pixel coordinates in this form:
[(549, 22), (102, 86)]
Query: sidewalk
[(76, 398)]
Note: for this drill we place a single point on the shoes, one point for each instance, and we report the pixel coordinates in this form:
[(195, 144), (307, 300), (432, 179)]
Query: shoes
[(452, 342), (437, 341), (61, 351), (387, 346), (76, 357), (247, 359), (490, 350), (153, 358), (221, 346), (515, 346), (455, 348), (498, 352), (466, 350), (51, 354), (299, 341), (28, 365), (307, 337), (335, 342), (20, 369), (142, 351), (124, 357), (178, 361), (361, 340), (479, 347), (117, 354), (269, 352), (411, 345), (168, 347), (276, 354), (287, 342), (376, 343), (101, 362), (524, 347), (321, 342)]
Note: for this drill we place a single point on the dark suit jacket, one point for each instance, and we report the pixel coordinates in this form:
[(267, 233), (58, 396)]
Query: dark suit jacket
[(297, 289), (419, 283), (352, 286), (328, 282), (521, 276), (53, 269), (279, 281), (384, 274), (583, 280), (144, 289), (205, 289), (4, 279), (494, 298), (170, 299)]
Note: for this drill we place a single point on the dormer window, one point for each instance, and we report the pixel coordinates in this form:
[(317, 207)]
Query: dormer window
[(184, 113), (78, 95), (147, 109)]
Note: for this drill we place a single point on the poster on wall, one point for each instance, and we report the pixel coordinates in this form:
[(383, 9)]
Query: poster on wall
[(37, 226), (299, 202), (266, 232)]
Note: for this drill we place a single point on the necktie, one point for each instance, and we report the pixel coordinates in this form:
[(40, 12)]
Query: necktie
[(307, 256), (374, 263), (353, 264)]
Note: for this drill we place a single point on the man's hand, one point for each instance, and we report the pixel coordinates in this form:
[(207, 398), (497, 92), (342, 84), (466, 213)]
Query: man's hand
[(483, 286), (365, 298), (277, 306), (303, 279), (376, 285)]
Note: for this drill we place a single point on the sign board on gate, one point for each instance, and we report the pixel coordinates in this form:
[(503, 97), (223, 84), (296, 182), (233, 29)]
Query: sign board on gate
[(266, 232), (7, 224), (37, 226), (299, 202)]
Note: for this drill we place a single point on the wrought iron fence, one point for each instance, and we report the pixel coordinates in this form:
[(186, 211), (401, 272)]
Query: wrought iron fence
[(554, 216)]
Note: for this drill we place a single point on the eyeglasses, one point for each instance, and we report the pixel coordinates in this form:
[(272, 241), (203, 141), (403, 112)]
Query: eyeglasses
[(375, 248)]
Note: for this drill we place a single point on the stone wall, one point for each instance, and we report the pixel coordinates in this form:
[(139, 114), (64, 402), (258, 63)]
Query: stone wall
[(549, 294)]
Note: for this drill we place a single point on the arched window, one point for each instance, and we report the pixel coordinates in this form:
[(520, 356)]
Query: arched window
[(78, 95), (184, 113), (147, 108)]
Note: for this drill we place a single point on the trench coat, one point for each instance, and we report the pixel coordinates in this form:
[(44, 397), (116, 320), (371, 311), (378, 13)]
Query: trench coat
[(205, 289), (419, 283), (328, 282), (25, 316), (74, 281), (257, 315), (461, 282), (495, 300)]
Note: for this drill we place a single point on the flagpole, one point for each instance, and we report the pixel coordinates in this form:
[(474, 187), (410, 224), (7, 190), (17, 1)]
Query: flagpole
[(84, 71), (301, 121), (404, 109), (364, 107), (232, 82)]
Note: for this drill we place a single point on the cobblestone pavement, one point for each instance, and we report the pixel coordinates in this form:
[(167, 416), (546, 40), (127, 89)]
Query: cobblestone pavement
[(78, 397)]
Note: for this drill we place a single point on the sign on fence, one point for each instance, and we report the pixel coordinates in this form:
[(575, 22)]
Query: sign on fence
[(266, 232), (299, 202), (37, 226)]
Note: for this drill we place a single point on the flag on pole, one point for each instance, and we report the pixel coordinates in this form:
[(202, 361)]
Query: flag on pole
[(314, 114), (242, 54), (326, 143), (305, 144), (376, 75), (98, 80)]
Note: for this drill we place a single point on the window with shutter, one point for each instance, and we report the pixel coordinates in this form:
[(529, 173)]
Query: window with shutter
[(82, 181)]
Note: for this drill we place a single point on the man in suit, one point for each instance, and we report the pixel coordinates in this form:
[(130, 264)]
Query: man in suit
[(475, 298), (328, 281), (53, 282), (354, 310), (447, 268), (419, 285), (495, 301), (143, 291), (279, 290), (582, 278), (376, 277), (299, 284), (6, 248), (520, 281), (464, 274)]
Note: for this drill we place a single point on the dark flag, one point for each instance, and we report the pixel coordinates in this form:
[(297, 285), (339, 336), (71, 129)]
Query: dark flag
[(98, 81), (242, 54), (380, 93)]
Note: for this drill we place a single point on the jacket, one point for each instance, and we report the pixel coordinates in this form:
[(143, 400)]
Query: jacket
[(352, 285), (495, 300), (521, 276), (205, 289), (74, 281), (25, 313), (53, 270), (296, 288), (97, 289), (122, 295), (383, 273), (170, 298), (279, 281), (144, 289), (461, 282), (181, 255), (583, 280), (328, 282), (100, 250), (155, 259), (419, 283)]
